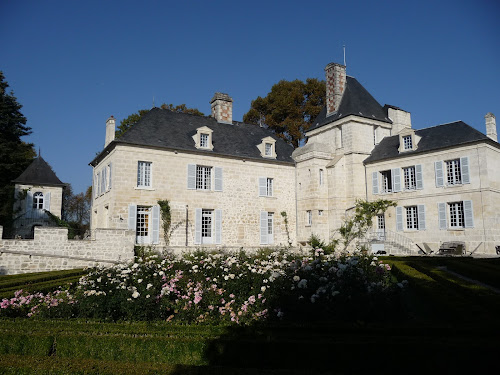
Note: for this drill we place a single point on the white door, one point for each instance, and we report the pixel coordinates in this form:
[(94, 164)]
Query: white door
[(381, 227), (143, 224), (207, 227)]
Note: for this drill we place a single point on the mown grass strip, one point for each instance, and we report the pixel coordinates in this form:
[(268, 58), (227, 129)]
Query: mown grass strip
[(42, 287), (28, 278), (486, 273)]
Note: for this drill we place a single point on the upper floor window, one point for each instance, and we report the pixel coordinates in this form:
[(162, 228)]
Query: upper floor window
[(204, 140), (38, 200), (321, 176), (266, 187), (386, 181), (203, 177), (144, 174), (268, 149), (309, 217), (409, 176), (453, 173), (407, 142)]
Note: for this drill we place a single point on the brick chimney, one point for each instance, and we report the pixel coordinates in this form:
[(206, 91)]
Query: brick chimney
[(491, 126), (110, 131), (335, 85), (222, 108)]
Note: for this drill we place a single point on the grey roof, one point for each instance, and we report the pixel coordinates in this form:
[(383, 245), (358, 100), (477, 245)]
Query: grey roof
[(438, 137), (39, 172), (357, 101), (171, 130)]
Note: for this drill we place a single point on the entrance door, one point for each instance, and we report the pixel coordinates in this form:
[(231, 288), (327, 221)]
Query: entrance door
[(207, 227), (143, 232), (381, 227)]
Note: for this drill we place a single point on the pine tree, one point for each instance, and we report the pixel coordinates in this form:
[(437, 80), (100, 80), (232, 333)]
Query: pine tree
[(15, 155)]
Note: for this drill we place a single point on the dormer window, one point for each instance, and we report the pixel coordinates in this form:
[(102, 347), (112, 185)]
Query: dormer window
[(203, 138), (267, 148), (407, 142)]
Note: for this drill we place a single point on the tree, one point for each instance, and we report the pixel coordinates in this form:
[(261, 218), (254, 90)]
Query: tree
[(131, 120), (15, 155), (289, 109), (76, 209)]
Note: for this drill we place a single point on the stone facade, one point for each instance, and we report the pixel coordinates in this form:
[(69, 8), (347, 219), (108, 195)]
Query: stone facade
[(51, 250)]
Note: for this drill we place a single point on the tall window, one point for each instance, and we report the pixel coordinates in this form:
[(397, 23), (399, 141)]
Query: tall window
[(321, 176), (206, 226), (386, 181), (453, 174), (268, 149), (381, 222), (203, 140), (407, 142), (270, 224), (203, 177), (38, 200), (269, 187), (144, 174), (409, 175), (456, 214), (309, 217), (411, 217), (142, 224)]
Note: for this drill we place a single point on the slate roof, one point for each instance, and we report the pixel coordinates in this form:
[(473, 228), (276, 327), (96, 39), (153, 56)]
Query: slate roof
[(357, 101), (434, 138), (39, 172), (171, 130)]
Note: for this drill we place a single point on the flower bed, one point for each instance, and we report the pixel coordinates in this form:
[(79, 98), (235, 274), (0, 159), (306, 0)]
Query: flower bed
[(206, 287)]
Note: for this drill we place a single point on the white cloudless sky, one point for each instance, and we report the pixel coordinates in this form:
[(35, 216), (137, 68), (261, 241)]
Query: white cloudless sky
[(73, 64)]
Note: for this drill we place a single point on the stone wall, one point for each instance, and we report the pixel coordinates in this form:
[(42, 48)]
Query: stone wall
[(51, 250)]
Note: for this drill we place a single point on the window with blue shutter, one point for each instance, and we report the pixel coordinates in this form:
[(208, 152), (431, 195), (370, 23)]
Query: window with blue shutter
[(464, 169), (156, 224), (218, 227), (197, 226), (191, 177), (419, 179), (109, 175), (375, 182), (396, 180), (399, 219), (468, 215), (263, 228), (442, 216), (218, 179), (29, 201), (438, 166), (421, 217), (46, 201), (132, 214), (262, 186)]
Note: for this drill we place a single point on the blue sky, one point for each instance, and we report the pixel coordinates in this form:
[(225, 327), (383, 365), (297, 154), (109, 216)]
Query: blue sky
[(73, 64)]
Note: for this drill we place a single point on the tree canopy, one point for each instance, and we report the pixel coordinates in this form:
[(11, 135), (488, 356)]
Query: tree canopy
[(289, 109), (15, 155), (131, 120)]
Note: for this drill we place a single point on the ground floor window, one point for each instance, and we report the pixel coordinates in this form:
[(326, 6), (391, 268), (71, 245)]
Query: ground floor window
[(206, 226), (145, 220), (142, 224), (266, 228), (456, 214), (411, 217)]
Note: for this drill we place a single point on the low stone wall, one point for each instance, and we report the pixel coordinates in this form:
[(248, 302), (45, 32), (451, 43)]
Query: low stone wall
[(51, 250)]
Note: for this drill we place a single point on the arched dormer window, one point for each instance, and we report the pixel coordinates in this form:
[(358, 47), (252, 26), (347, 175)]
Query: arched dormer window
[(38, 200)]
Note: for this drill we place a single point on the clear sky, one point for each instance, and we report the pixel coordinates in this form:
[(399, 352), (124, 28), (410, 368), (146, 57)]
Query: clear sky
[(73, 64)]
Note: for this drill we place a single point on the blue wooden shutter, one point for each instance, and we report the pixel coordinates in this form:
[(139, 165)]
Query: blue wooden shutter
[(464, 169), (29, 201), (262, 187), (375, 182), (263, 228), (96, 186), (419, 179), (438, 166), (442, 216), (191, 180), (109, 177), (421, 217), (399, 219), (218, 179), (46, 201), (156, 224), (132, 214), (197, 226), (468, 215), (396, 180), (218, 227)]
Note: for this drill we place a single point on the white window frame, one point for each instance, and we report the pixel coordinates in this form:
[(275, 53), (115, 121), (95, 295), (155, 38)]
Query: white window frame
[(269, 187), (268, 149), (386, 183), (321, 176), (144, 174), (270, 227), (407, 142), (203, 177), (411, 217), (456, 215), (410, 178), (38, 199), (320, 212), (453, 172), (207, 226), (143, 225), (204, 140), (308, 218)]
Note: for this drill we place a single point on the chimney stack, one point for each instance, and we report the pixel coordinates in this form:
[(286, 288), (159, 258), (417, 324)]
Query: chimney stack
[(222, 108), (110, 131), (491, 126), (335, 85)]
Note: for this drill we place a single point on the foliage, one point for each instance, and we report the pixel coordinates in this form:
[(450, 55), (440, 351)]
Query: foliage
[(15, 155), (166, 217), (285, 220), (316, 243), (289, 109), (76, 209), (132, 119), (356, 225)]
